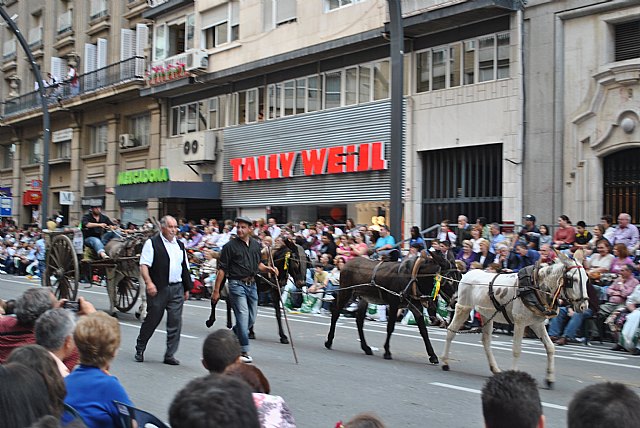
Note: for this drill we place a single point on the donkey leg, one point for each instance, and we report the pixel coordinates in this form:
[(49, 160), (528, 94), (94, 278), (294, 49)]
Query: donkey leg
[(541, 332), (391, 325), (360, 315), (335, 314), (459, 317), (518, 333), (422, 327), (487, 331), (275, 298)]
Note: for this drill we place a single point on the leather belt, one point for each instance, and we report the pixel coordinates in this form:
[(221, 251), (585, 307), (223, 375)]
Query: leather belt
[(175, 283), (246, 279)]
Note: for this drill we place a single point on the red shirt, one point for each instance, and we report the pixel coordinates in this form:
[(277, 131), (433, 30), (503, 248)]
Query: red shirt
[(566, 235)]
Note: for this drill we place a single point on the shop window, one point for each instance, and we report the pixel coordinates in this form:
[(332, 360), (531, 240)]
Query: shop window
[(301, 93), (627, 40), (351, 86), (364, 84), (98, 138), (289, 98), (381, 78), (314, 89), (332, 85), (140, 128), (273, 101)]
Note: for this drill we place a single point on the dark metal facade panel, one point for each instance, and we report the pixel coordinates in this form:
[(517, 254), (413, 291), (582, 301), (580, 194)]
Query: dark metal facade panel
[(171, 189), (366, 123)]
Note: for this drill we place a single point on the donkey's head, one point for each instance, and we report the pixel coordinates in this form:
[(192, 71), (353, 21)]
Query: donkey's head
[(575, 281)]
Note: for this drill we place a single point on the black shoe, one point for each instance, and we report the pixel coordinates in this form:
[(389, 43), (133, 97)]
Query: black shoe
[(618, 347), (139, 357), (171, 361)]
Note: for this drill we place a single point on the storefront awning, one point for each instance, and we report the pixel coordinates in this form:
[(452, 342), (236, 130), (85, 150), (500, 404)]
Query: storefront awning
[(168, 190)]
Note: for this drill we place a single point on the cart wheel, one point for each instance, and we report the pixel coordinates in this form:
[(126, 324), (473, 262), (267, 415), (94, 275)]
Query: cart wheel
[(127, 293), (62, 273)]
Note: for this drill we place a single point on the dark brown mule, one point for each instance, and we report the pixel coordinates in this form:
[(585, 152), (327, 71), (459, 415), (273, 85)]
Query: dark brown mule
[(399, 285), (291, 261)]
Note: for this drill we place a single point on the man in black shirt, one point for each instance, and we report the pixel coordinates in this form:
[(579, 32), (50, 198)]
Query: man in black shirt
[(240, 261), (530, 234), (93, 225)]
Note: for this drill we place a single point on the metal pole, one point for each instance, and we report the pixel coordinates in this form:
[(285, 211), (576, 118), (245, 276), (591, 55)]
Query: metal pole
[(45, 114), (397, 144)]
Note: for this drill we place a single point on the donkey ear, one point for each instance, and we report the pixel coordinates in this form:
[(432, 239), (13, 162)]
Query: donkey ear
[(564, 259), (578, 256)]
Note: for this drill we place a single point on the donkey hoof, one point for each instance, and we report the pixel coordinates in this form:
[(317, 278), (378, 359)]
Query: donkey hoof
[(327, 344), (445, 367), (433, 359), (252, 335), (387, 356), (284, 340), (549, 384), (367, 351), (209, 322)]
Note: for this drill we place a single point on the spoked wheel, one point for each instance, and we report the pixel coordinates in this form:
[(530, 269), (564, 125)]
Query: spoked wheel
[(62, 273), (127, 293)]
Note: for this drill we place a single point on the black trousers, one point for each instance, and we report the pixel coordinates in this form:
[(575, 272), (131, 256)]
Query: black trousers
[(171, 299)]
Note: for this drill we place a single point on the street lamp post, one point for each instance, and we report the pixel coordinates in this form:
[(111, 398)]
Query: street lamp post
[(45, 113), (397, 146)]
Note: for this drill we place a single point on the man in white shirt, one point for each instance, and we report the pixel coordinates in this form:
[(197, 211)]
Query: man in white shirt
[(273, 228)]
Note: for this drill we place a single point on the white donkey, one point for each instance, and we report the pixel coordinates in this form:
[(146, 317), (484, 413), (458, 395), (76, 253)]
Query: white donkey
[(497, 297)]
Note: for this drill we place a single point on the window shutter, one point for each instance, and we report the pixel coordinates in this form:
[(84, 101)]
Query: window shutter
[(627, 40), (142, 39), (127, 43), (268, 14), (102, 51), (285, 10), (58, 68), (90, 57), (214, 16), (235, 13)]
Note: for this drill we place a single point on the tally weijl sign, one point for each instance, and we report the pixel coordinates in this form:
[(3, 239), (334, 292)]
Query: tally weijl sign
[(329, 160)]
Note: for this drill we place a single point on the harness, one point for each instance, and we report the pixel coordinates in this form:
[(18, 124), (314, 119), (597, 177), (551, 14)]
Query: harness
[(373, 278), (533, 297), (499, 306)]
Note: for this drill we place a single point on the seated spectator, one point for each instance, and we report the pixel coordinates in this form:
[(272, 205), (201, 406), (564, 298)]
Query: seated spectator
[(618, 292), (507, 260), (495, 236), (359, 247), (54, 331), (446, 234), (583, 236), (447, 251), (90, 388), (604, 405), (345, 247), (621, 258), (219, 350), (525, 256), (333, 284), (273, 411), (598, 234), (600, 261), (23, 396), (214, 401), (485, 257), (564, 328), (476, 236), (40, 360), (511, 399), (547, 254), (312, 300), (417, 239), (617, 320), (565, 234), (466, 254)]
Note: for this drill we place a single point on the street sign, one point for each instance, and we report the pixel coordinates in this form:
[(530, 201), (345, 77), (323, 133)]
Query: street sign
[(5, 207), (67, 198), (36, 184)]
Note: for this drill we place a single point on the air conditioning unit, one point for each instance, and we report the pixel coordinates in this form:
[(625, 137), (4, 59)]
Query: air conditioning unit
[(197, 60), (127, 141), (199, 147)]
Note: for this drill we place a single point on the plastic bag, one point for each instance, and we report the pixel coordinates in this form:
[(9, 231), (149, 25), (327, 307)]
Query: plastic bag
[(629, 333)]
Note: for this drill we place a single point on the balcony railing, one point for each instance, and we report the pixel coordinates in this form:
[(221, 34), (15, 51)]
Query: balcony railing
[(98, 9), (9, 49), (128, 70), (155, 3), (35, 37), (64, 22)]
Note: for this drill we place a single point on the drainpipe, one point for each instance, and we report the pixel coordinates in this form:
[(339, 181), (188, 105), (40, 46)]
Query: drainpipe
[(523, 104)]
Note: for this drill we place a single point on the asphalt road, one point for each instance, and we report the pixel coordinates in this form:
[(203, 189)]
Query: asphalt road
[(331, 385)]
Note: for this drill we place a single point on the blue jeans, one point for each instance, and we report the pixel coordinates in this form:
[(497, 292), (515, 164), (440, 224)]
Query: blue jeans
[(573, 325), (94, 243), (244, 302)]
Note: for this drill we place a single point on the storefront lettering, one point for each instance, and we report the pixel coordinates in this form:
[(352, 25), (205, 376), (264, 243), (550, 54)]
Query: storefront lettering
[(142, 176), (332, 160)]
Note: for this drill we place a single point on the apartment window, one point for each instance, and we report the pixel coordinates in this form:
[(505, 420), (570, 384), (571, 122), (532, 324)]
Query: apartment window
[(189, 118), (469, 62), (455, 65), (332, 85), (214, 113), (220, 25), (98, 9), (175, 38), (627, 40), (301, 95), (98, 139), (351, 86), (364, 84), (63, 150), (6, 156), (337, 4), (439, 68), (503, 55), (139, 127), (273, 101), (278, 12), (486, 58), (33, 153), (289, 98)]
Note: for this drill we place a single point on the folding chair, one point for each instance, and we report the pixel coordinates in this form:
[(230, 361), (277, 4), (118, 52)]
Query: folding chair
[(129, 413)]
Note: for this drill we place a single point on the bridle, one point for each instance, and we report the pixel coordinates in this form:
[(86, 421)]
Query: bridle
[(568, 283)]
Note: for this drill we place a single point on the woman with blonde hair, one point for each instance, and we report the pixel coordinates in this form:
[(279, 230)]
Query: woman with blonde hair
[(485, 257), (91, 390)]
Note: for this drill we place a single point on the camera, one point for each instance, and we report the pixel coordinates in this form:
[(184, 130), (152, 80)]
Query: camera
[(71, 305)]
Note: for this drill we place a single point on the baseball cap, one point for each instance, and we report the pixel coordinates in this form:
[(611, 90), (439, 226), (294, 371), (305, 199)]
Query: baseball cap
[(530, 217)]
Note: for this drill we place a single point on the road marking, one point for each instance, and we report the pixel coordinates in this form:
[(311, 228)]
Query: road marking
[(158, 330), (476, 391)]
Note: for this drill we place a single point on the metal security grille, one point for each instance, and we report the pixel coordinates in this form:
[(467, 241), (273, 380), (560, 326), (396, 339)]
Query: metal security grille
[(462, 181), (342, 126), (627, 36), (622, 184)]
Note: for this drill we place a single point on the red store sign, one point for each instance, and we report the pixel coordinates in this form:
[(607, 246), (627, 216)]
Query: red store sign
[(331, 160), (32, 197)]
